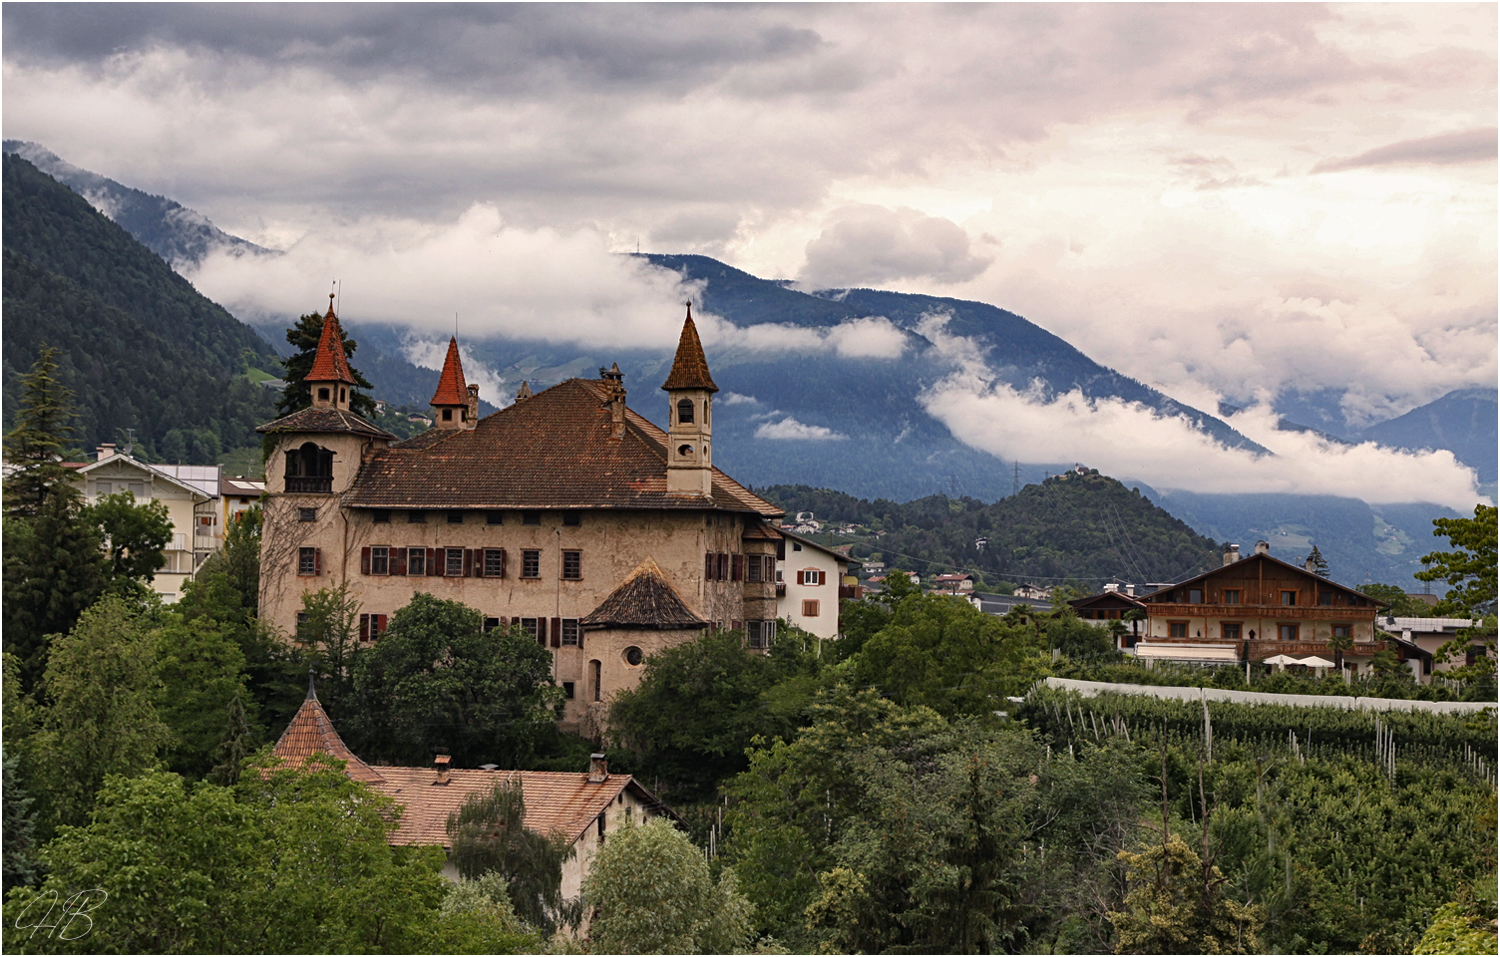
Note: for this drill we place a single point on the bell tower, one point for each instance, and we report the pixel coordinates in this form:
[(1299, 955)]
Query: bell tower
[(456, 404), (330, 379), (690, 391)]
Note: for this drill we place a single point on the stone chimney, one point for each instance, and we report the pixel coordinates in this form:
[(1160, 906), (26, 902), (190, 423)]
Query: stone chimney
[(1262, 548), (1130, 590), (524, 392), (1231, 554), (440, 765), (106, 450), (614, 383), (598, 769), (1111, 587), (473, 389)]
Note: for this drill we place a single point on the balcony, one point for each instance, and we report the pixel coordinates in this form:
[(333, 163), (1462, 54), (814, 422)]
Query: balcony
[(309, 483), (1281, 612), (781, 589)]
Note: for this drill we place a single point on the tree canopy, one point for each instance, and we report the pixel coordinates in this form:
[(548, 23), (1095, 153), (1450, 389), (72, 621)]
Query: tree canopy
[(304, 336)]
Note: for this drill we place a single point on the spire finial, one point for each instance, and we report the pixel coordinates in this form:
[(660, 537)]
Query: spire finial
[(690, 310), (312, 691)]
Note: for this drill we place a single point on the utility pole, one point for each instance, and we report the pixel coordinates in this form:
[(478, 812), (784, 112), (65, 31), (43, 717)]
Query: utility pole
[(1017, 487)]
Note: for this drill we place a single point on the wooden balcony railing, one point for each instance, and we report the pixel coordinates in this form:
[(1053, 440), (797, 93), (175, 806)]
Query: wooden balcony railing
[(309, 483)]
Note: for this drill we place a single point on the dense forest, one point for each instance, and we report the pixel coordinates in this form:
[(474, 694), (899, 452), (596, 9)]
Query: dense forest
[(1080, 527), (140, 348)]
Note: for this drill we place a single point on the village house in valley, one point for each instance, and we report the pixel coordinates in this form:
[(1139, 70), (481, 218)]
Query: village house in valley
[(567, 514)]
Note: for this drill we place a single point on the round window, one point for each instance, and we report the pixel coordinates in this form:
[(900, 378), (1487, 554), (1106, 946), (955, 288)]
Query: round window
[(684, 450), (633, 656)]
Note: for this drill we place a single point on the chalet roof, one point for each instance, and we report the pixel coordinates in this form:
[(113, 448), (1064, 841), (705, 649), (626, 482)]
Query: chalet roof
[(1108, 599), (310, 732), (329, 363), (644, 600), (451, 389), (1242, 566), (154, 472), (554, 450), (690, 366), (556, 801), (324, 420)]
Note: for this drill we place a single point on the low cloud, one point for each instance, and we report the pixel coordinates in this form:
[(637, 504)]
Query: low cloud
[(865, 245), (790, 428), (1130, 440), (1466, 146), (734, 398), (872, 337), (430, 354)]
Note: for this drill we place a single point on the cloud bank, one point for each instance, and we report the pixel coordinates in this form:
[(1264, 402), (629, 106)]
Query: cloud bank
[(790, 428)]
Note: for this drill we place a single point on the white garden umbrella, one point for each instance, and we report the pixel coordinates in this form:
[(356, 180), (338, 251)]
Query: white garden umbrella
[(1316, 662)]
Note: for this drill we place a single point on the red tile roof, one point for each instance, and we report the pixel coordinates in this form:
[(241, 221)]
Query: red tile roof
[(451, 388), (310, 732), (330, 364), (644, 600), (556, 801), (554, 450), (690, 367)]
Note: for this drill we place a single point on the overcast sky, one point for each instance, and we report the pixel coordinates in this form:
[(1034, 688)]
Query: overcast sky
[(1220, 200)]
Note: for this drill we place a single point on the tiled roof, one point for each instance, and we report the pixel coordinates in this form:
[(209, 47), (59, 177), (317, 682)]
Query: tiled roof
[(556, 801), (690, 367), (554, 450), (451, 388), (324, 420), (330, 364), (311, 732), (644, 600), (761, 532)]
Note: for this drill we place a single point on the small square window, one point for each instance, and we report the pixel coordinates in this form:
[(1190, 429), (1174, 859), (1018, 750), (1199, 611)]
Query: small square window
[(1177, 629), (307, 561), (490, 624), (416, 518), (380, 560), (1289, 598), (570, 631), (455, 518), (810, 608), (307, 515), (568, 690), (796, 547), (381, 516), (531, 518), (1231, 596), (1231, 630), (572, 566), (494, 518), (1325, 598), (416, 561), (529, 626), (1288, 632), (453, 566), (531, 563), (1342, 631), (1195, 596), (494, 563), (572, 519)]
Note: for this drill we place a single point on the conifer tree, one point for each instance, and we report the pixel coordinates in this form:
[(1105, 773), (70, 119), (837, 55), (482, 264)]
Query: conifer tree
[(297, 395), (35, 447)]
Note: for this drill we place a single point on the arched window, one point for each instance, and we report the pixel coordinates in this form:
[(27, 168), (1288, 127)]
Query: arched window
[(686, 451), (309, 468), (322, 395), (685, 411)]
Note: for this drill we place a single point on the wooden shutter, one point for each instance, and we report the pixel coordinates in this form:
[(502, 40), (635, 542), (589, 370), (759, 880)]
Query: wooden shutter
[(781, 549), (398, 561), (723, 566), (580, 636), (317, 561), (541, 632), (502, 563), (379, 626), (557, 632), (364, 627), (504, 621), (468, 562), (737, 568), (708, 566), (770, 573), (364, 560), (822, 578)]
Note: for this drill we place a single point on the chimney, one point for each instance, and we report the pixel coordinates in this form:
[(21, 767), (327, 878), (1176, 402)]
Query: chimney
[(1111, 587), (1130, 590), (598, 769), (440, 765), (1231, 554), (106, 450), (614, 382), (524, 392), (1262, 548), (473, 390)]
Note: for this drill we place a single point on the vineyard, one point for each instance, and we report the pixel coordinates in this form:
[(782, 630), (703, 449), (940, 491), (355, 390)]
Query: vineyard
[(1349, 828)]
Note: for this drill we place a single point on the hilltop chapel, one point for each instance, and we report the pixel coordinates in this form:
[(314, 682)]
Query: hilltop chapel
[(567, 514)]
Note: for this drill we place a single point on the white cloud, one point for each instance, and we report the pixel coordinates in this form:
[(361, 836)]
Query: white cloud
[(1132, 441), (735, 398), (790, 428), (867, 245), (870, 337), (430, 354)]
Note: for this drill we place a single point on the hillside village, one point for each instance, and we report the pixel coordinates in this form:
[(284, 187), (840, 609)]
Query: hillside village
[(482, 678)]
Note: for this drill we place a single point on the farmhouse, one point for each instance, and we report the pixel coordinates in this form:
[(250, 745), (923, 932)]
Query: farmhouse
[(566, 513)]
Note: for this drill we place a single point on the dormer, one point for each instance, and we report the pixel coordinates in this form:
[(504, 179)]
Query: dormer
[(330, 379), (690, 390), (455, 405)]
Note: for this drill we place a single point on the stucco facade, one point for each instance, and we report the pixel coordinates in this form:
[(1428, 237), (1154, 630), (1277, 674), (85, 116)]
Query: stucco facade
[(810, 576)]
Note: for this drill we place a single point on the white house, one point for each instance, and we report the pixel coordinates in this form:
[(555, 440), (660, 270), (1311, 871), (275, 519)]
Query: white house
[(808, 577)]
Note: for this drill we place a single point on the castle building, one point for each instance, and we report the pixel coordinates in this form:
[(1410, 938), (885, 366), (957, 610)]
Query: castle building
[(567, 514)]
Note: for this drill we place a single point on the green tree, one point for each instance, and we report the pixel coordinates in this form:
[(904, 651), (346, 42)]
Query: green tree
[(1457, 929), (1176, 905), (489, 836), (1470, 568), (304, 336), (1401, 605), (477, 918), (203, 696), (101, 688), (35, 448), (136, 535), (19, 832), (436, 680), (1317, 562), (328, 625), (650, 891)]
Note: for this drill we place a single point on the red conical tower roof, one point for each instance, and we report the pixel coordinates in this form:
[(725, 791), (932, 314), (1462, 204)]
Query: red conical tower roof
[(310, 732), (690, 367), (451, 388), (330, 364)]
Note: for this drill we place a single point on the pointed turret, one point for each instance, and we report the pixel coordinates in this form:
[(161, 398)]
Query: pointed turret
[(330, 378), (451, 401), (690, 391), (310, 732)]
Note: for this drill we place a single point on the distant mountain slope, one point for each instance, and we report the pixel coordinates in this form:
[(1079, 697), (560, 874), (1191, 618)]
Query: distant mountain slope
[(1077, 525), (1464, 421), (142, 349)]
